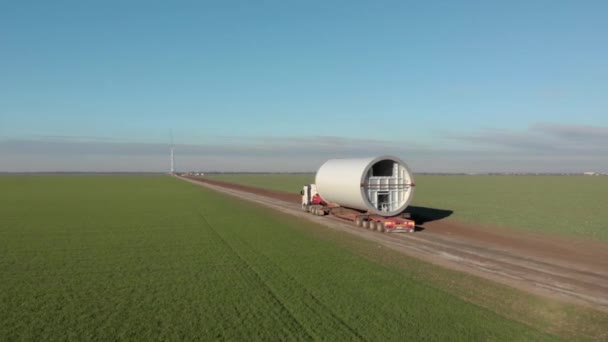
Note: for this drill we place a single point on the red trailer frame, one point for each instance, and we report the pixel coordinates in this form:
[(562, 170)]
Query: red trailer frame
[(392, 224)]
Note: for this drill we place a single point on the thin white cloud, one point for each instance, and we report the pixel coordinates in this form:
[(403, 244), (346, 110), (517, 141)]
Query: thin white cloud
[(540, 148), (578, 133), (274, 147), (72, 138), (542, 138)]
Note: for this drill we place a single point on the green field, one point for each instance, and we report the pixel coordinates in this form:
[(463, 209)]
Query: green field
[(127, 257), (565, 205)]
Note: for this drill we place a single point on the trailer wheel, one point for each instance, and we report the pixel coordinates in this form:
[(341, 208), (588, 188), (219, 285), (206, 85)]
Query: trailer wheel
[(380, 227), (321, 212), (372, 225), (366, 224), (358, 221), (313, 210)]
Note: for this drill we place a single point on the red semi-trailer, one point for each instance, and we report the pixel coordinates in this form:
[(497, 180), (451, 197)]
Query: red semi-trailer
[(371, 192), (313, 203)]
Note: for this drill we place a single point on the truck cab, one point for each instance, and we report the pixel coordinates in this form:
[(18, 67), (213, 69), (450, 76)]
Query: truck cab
[(310, 196)]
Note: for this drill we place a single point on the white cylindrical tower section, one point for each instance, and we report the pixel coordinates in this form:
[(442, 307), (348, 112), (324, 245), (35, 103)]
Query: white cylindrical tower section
[(381, 185)]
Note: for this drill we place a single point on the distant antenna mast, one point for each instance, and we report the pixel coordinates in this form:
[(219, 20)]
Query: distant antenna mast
[(172, 156)]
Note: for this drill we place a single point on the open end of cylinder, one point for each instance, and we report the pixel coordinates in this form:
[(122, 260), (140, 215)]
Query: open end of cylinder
[(388, 186)]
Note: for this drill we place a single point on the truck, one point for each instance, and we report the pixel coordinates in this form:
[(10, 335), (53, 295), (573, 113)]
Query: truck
[(372, 193)]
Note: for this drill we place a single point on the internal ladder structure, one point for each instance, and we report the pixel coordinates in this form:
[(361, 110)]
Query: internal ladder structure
[(387, 185)]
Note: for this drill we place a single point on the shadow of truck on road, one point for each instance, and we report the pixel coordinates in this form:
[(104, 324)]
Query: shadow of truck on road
[(423, 215)]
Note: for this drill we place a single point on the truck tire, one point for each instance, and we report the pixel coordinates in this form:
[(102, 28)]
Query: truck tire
[(366, 224), (358, 221), (313, 210), (321, 212), (380, 227)]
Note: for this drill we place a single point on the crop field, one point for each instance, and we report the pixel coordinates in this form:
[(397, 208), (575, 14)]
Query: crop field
[(564, 205), (153, 257)]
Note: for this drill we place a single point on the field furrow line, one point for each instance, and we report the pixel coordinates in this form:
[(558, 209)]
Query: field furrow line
[(276, 298), (279, 273)]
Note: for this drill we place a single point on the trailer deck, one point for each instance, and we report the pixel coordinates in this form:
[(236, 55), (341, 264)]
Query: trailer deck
[(392, 224)]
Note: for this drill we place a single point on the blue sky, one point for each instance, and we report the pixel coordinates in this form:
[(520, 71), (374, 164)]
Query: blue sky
[(283, 85)]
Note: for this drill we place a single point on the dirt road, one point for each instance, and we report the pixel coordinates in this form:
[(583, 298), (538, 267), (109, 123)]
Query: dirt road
[(568, 269)]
